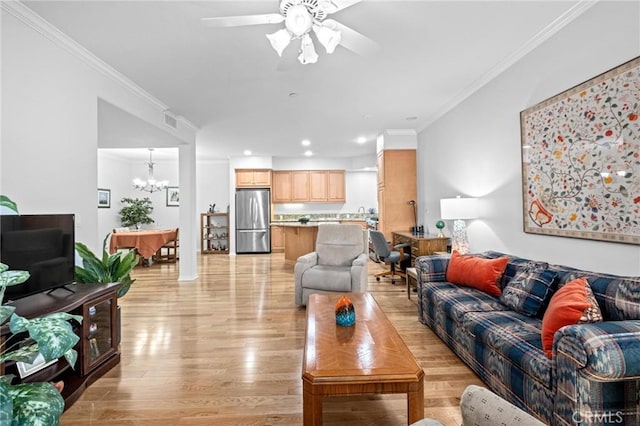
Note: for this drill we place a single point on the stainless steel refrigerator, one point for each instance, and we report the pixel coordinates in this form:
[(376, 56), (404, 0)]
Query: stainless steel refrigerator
[(253, 234)]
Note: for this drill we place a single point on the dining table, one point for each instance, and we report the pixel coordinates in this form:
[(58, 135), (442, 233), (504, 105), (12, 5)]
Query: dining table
[(146, 242)]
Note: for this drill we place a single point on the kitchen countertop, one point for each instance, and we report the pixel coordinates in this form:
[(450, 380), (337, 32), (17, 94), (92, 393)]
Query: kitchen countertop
[(293, 222)]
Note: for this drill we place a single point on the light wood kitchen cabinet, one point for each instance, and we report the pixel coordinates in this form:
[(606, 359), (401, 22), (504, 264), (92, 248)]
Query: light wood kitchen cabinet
[(299, 186), (337, 187), (277, 239), (253, 178), (396, 187), (281, 191), (318, 186), (304, 186)]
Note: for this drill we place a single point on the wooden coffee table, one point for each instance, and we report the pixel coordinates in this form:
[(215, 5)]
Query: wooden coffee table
[(368, 358)]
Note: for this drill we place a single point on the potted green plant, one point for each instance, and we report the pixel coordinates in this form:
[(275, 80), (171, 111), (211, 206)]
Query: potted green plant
[(137, 212), (8, 203), (110, 268), (36, 403)]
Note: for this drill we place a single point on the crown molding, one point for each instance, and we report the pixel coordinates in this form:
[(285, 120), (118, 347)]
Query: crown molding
[(28, 17), (556, 25)]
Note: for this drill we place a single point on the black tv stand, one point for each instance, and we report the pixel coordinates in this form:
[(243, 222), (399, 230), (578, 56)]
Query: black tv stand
[(98, 345)]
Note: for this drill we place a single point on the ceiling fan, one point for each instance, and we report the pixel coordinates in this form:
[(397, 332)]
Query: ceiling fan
[(300, 18)]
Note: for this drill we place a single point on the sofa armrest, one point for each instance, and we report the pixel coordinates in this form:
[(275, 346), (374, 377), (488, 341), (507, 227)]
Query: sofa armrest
[(359, 270), (432, 268), (605, 351), (481, 407), (303, 263), (361, 260), (308, 260)]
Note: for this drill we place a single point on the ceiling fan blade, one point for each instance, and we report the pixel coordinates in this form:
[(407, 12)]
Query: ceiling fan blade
[(238, 21), (333, 6), (353, 40)]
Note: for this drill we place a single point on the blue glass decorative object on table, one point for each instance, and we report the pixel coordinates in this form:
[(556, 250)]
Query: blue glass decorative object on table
[(345, 312)]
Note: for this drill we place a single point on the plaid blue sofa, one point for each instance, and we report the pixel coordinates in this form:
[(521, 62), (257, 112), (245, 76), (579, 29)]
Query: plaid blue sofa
[(593, 376)]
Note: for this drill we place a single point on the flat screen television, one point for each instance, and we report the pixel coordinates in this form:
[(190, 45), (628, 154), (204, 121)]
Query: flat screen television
[(43, 245)]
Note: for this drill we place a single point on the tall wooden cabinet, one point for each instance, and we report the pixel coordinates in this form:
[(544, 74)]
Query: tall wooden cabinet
[(397, 186)]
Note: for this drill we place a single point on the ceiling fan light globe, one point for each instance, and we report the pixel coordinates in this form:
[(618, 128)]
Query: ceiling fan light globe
[(329, 38), (298, 20), (279, 40), (308, 53)]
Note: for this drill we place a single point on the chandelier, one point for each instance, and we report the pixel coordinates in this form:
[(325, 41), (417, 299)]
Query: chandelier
[(300, 17), (151, 184)]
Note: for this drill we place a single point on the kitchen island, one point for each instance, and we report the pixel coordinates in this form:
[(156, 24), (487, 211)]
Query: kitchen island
[(300, 239)]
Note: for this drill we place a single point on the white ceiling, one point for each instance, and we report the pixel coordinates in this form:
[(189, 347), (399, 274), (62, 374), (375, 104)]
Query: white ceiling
[(231, 84)]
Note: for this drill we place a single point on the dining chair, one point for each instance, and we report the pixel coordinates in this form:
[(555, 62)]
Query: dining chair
[(168, 253)]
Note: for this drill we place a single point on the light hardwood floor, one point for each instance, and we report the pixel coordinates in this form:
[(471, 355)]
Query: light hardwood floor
[(226, 349)]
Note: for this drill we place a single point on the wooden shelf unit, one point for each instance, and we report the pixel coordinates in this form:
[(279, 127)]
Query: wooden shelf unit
[(214, 233)]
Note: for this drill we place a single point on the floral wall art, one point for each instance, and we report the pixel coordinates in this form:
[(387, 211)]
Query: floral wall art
[(581, 160)]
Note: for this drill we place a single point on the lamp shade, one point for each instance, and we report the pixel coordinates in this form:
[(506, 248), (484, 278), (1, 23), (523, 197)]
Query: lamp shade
[(298, 20), (327, 37), (308, 53), (279, 40), (459, 208)]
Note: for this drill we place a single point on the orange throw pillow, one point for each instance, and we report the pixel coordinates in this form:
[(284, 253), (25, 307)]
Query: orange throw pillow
[(476, 272), (573, 303)]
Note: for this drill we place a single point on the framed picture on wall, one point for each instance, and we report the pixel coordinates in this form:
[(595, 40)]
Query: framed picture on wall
[(581, 160), (173, 196), (104, 198)]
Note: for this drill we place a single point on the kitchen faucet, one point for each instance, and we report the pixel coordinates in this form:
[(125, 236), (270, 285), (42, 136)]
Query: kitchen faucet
[(361, 208)]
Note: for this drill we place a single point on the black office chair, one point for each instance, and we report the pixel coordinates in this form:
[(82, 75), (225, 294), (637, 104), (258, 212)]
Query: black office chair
[(386, 255)]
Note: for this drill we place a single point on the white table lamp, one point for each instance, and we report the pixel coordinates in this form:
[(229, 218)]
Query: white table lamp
[(458, 209)]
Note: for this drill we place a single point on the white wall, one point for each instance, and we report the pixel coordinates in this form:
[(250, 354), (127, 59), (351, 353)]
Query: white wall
[(49, 116), (116, 174), (212, 185), (474, 149)]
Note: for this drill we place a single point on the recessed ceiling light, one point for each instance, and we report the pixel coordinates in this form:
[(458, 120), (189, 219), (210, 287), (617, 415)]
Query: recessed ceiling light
[(308, 153), (412, 118), (246, 152), (361, 139), (306, 142)]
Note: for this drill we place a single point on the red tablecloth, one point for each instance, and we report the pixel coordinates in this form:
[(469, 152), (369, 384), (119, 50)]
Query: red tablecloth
[(146, 242)]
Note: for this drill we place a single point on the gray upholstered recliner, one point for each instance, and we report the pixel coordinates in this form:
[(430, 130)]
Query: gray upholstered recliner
[(481, 407), (339, 264)]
